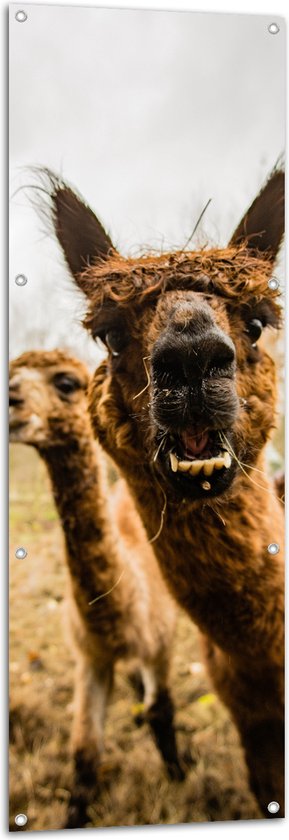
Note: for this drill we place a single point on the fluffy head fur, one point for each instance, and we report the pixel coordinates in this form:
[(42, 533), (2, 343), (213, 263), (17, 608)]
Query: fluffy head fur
[(135, 411)]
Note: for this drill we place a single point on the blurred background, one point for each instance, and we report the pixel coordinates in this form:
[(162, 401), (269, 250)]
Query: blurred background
[(149, 115)]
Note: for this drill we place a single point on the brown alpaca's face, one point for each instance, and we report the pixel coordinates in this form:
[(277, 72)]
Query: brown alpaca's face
[(187, 388), (206, 369), (47, 399), (193, 393), (187, 379)]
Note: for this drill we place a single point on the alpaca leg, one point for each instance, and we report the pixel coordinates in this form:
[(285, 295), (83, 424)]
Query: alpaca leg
[(92, 690), (160, 716), (264, 750)]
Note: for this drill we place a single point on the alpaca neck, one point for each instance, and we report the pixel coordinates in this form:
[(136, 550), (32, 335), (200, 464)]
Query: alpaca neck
[(215, 557), (77, 477)]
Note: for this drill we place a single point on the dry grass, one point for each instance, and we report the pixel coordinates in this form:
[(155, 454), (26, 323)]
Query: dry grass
[(135, 788)]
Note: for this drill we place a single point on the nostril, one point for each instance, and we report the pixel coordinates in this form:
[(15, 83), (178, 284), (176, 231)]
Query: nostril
[(222, 361), (167, 363), (221, 357), (14, 401), (179, 360)]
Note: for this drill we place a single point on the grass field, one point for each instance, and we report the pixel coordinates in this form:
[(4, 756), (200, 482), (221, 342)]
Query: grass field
[(135, 788)]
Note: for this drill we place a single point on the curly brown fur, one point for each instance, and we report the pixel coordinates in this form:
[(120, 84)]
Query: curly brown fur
[(185, 379), (118, 604)]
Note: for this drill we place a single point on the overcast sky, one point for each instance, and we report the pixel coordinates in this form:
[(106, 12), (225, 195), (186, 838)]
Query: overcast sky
[(148, 114)]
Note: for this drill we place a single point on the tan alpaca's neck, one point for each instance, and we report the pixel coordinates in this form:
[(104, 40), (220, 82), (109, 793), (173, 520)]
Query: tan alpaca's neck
[(78, 481)]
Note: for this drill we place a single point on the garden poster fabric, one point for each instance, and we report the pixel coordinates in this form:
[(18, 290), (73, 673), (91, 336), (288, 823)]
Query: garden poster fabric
[(146, 417)]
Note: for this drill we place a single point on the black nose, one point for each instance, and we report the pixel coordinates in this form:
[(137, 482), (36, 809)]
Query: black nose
[(185, 357)]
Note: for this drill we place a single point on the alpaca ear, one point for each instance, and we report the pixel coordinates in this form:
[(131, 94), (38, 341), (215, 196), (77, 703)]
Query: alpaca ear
[(262, 227), (79, 232)]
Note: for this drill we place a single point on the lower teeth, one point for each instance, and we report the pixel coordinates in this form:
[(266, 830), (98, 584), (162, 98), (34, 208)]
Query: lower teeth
[(208, 466)]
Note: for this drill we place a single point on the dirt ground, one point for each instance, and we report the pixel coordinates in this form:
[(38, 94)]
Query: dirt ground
[(135, 789)]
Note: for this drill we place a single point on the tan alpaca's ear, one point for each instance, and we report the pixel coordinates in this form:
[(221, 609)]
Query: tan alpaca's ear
[(262, 227), (82, 237)]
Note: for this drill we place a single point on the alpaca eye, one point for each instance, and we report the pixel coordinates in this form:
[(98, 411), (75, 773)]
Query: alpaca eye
[(254, 329), (66, 384), (115, 341)]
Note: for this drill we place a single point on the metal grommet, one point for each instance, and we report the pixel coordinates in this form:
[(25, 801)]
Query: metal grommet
[(20, 553), (21, 280), (273, 807), (21, 819), (273, 28), (273, 284), (273, 548), (21, 16)]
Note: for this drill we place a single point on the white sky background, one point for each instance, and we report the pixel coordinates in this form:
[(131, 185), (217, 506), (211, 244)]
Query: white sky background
[(148, 114)]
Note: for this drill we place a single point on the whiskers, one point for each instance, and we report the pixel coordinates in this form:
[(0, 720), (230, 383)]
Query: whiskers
[(156, 455), (213, 508), (109, 591), (161, 444), (163, 512), (145, 359), (242, 466)]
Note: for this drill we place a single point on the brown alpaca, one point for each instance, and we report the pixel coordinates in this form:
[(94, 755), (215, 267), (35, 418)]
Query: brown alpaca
[(185, 405), (107, 554)]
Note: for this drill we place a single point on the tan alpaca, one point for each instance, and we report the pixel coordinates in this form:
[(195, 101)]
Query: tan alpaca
[(119, 607), (185, 407)]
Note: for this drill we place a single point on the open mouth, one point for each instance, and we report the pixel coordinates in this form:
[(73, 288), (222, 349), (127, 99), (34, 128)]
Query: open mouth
[(202, 453), (199, 462), (15, 425)]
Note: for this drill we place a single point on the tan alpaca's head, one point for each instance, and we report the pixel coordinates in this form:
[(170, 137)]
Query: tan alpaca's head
[(47, 398), (187, 382)]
